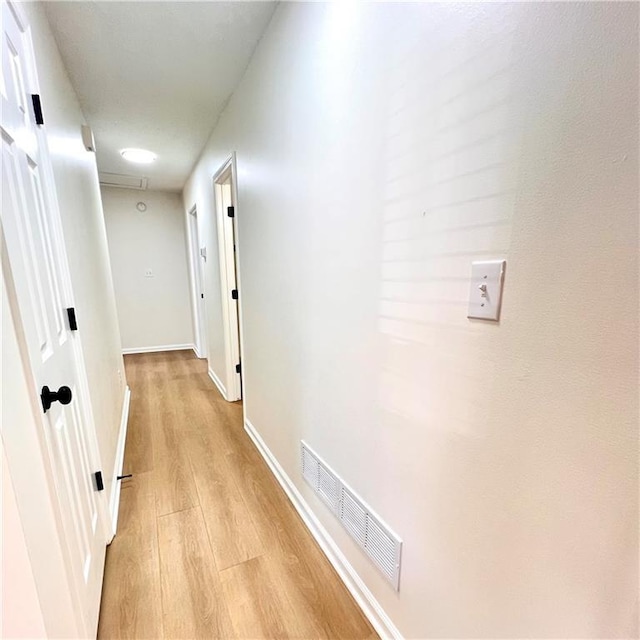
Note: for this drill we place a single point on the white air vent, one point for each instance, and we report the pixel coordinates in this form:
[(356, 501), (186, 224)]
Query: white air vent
[(310, 467), (378, 541), (382, 548), (122, 181), (354, 517), (328, 487)]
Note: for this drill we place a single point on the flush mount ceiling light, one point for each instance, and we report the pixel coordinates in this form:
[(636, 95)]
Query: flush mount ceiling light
[(141, 156)]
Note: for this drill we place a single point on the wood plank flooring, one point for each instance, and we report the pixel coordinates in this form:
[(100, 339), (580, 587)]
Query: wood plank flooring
[(208, 544)]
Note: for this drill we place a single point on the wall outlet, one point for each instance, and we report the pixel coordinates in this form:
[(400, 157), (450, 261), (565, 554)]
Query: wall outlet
[(148, 273)]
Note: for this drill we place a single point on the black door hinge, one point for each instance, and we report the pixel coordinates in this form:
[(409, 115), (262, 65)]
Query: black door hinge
[(202, 295), (99, 482), (238, 368), (231, 212), (37, 108), (73, 323), (234, 294)]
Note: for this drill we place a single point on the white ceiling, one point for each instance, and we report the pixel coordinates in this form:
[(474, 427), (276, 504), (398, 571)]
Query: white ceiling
[(155, 75)]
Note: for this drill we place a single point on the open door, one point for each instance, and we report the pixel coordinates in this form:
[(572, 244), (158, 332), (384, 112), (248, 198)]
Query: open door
[(196, 260), (36, 274), (224, 183)]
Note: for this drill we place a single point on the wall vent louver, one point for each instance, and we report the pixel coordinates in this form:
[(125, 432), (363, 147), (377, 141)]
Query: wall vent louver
[(310, 468), (376, 539), (328, 487), (354, 517)]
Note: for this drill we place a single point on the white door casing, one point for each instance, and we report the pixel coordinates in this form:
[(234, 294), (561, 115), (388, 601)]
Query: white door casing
[(224, 183), (40, 275)]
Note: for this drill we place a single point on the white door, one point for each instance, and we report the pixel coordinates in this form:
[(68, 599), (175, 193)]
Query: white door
[(225, 194), (39, 271), (198, 285)]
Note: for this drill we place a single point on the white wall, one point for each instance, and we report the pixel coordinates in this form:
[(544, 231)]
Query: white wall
[(155, 311), (76, 177), (381, 149)]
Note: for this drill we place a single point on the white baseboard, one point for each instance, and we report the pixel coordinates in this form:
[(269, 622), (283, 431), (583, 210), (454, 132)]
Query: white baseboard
[(114, 499), (163, 347), (365, 599), (218, 383)]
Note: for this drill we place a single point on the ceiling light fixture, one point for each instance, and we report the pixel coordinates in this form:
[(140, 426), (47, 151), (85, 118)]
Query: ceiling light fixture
[(141, 156)]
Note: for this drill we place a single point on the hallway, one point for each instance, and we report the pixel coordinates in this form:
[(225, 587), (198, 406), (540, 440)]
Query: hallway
[(349, 291), (208, 545)]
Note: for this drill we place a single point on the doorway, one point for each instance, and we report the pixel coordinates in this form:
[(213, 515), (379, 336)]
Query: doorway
[(197, 256), (225, 191)]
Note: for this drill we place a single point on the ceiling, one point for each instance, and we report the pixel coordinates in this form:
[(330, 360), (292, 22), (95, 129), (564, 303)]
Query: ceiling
[(155, 75)]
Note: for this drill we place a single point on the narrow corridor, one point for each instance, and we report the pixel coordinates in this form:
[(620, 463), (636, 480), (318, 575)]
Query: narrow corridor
[(208, 544)]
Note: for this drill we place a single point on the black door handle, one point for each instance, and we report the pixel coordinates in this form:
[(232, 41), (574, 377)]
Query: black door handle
[(63, 395)]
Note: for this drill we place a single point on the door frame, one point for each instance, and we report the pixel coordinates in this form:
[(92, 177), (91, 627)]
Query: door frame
[(230, 277), (196, 271)]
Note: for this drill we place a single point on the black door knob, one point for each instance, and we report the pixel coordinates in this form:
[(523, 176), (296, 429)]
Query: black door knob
[(63, 395)]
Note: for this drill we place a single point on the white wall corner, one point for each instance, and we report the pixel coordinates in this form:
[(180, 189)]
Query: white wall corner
[(354, 583), (218, 383), (114, 499)]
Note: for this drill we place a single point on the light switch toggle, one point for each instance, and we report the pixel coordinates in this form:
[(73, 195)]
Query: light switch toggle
[(485, 293)]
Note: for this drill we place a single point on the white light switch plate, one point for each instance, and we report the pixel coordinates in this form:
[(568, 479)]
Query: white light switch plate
[(485, 294)]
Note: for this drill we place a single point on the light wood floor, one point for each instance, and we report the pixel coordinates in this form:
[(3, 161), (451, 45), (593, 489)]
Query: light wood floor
[(208, 545)]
